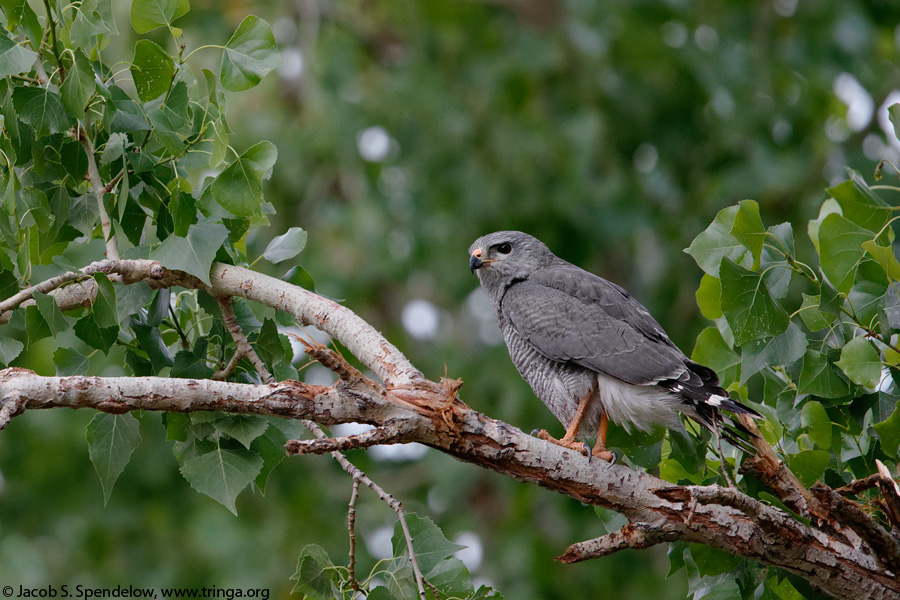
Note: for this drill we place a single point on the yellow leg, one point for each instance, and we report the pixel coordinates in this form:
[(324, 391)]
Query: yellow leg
[(568, 440), (600, 450)]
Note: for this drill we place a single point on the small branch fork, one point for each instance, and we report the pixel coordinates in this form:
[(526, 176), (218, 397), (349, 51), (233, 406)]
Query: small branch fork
[(323, 443), (843, 552)]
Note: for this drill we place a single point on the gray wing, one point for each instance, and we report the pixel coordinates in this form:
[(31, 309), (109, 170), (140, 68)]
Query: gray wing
[(568, 314)]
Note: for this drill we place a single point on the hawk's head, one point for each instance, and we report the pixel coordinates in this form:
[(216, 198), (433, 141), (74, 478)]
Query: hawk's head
[(500, 257)]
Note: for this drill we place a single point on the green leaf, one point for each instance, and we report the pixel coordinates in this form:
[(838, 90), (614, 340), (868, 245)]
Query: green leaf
[(220, 144), (841, 250), (150, 340), (300, 277), (286, 246), (709, 297), (243, 428), (268, 343), (818, 377), (222, 473), (79, 86), (171, 119), (884, 256), (810, 314), (42, 109), (859, 205), (14, 58), (194, 253), (152, 70), (93, 18), (781, 350), (830, 206), (70, 362), (10, 348), (716, 242), (127, 115), (131, 298), (270, 446), (749, 308), (712, 351), (861, 362), (748, 229), (238, 188), (34, 209), (428, 542), (114, 148), (809, 465), (56, 321), (101, 338), (889, 432), (111, 441), (147, 15), (249, 55), (36, 326), (817, 422), (104, 307), (316, 575), (188, 365), (159, 308)]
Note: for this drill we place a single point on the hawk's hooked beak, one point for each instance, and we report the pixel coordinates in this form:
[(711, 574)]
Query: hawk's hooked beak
[(476, 261)]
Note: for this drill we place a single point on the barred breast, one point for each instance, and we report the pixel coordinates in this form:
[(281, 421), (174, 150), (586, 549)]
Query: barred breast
[(559, 385)]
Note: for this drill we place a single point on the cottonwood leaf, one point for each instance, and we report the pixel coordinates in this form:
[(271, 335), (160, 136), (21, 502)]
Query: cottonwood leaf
[(79, 85), (147, 15), (14, 58), (861, 362), (10, 348), (111, 441), (818, 377), (194, 253), (249, 55), (816, 420), (70, 362), (238, 188), (316, 575), (222, 474), (783, 349), (49, 309), (42, 109), (152, 70), (841, 250), (429, 543), (748, 229), (717, 242), (286, 246), (749, 308)]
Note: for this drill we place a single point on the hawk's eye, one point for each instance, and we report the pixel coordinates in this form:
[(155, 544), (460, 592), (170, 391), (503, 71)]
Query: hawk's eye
[(504, 248)]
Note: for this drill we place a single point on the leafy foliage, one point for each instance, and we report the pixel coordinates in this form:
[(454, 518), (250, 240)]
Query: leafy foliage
[(818, 349)]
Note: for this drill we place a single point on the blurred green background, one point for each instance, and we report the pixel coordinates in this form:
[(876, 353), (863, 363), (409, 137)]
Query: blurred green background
[(614, 131)]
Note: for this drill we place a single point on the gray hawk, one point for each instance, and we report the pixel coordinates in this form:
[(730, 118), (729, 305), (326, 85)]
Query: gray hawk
[(590, 351)]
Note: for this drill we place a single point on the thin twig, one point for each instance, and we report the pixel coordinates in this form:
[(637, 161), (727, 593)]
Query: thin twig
[(244, 349), (351, 528), (53, 46), (112, 244), (357, 474), (723, 462), (860, 485), (633, 535), (244, 345), (395, 433)]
